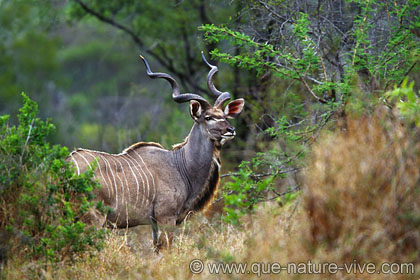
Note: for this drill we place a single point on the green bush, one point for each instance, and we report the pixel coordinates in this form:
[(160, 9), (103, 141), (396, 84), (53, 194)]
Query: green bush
[(406, 102), (42, 200), (263, 177)]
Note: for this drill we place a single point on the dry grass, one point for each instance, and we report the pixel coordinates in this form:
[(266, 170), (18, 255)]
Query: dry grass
[(364, 183), (362, 194), (129, 255), (360, 202)]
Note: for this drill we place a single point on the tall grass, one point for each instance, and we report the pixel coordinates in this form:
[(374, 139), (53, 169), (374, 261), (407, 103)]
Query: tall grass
[(362, 196)]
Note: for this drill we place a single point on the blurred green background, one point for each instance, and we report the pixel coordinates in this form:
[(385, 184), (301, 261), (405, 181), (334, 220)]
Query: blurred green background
[(79, 61), (86, 74)]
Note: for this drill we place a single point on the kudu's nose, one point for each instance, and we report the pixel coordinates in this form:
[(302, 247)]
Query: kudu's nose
[(231, 129)]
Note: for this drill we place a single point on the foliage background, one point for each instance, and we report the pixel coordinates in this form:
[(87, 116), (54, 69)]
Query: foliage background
[(305, 68)]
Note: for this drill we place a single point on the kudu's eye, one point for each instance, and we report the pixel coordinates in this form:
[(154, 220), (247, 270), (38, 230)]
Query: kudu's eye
[(208, 118)]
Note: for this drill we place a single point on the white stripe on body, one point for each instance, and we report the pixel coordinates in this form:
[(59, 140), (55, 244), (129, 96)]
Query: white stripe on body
[(80, 154), (134, 174), (100, 170), (115, 183), (88, 163), (131, 163), (125, 178), (122, 184), (150, 173), (127, 193), (75, 162), (147, 181)]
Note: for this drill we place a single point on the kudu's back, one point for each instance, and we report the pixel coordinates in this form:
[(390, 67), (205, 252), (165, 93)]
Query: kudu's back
[(132, 182)]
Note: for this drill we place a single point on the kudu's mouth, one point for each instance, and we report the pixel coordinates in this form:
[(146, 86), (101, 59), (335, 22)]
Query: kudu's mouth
[(227, 136)]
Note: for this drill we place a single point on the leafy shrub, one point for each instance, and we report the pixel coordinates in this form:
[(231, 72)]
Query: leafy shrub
[(261, 178), (243, 192), (41, 198), (406, 101)]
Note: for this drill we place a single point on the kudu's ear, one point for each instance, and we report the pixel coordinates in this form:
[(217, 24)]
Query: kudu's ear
[(195, 109), (234, 108)]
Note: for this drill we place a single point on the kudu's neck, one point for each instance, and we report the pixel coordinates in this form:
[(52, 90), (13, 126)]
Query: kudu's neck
[(195, 159), (199, 148)]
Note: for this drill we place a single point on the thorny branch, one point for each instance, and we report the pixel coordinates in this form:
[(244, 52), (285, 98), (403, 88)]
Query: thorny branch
[(261, 175), (277, 194), (26, 142)]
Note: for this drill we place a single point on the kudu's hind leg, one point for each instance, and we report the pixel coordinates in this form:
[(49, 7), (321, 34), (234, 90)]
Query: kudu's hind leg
[(163, 240), (155, 234)]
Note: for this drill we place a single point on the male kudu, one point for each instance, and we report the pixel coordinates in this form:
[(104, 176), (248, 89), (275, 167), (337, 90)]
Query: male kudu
[(147, 184)]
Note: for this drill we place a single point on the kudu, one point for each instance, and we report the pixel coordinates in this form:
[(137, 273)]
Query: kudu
[(147, 184)]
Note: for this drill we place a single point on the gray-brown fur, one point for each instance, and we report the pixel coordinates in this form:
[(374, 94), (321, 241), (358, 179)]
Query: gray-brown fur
[(147, 184)]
